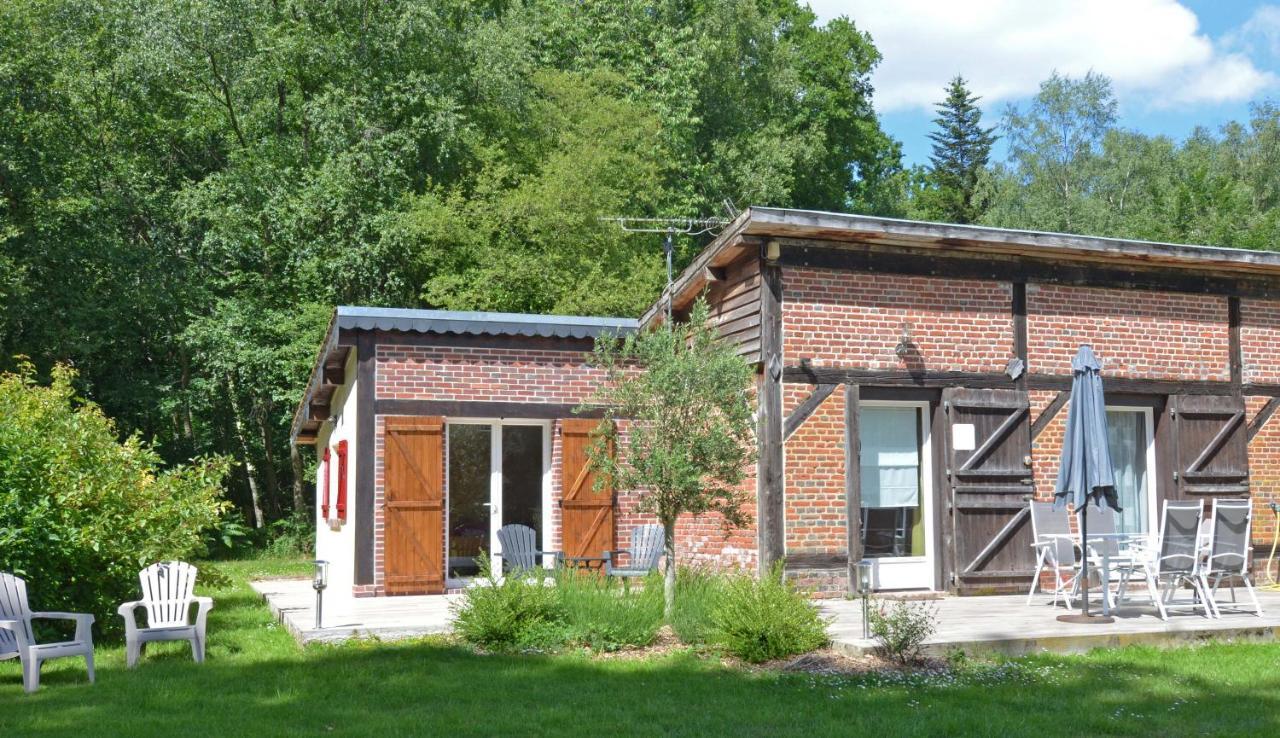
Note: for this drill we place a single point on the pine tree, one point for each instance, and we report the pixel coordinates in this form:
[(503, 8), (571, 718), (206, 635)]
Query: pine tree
[(961, 149)]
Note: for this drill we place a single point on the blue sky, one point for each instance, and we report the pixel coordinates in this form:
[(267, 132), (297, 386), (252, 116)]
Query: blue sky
[(1175, 64)]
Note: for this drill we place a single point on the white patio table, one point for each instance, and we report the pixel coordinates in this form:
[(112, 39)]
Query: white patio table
[(1131, 544)]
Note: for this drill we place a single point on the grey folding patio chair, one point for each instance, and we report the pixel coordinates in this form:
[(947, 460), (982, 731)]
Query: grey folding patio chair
[(1229, 525), (646, 548), (17, 639), (1105, 549), (1055, 550), (520, 550), (168, 592), (1174, 562)]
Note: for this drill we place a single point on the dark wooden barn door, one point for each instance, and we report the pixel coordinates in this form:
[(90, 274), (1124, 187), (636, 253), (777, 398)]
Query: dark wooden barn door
[(586, 512), (413, 507), (1210, 447), (989, 476)]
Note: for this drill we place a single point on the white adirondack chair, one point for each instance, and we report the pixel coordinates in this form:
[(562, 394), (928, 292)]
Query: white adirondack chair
[(18, 641), (168, 591)]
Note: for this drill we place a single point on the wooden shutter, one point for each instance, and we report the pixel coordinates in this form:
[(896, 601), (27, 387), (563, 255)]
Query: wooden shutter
[(990, 485), (324, 485), (1210, 446), (413, 507), (586, 512)]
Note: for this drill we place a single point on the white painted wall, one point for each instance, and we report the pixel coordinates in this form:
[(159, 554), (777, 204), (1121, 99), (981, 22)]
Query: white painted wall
[(336, 542)]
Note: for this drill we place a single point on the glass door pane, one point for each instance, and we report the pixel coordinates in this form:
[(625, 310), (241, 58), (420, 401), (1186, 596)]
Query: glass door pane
[(470, 461), (1127, 441), (522, 476), (892, 517)]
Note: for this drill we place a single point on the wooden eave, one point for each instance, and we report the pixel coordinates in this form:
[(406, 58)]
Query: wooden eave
[(757, 226), (328, 373)]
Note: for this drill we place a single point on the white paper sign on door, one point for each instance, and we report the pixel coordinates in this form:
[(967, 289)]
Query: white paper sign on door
[(963, 437)]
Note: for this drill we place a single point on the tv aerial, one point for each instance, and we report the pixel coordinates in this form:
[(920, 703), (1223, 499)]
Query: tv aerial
[(670, 227)]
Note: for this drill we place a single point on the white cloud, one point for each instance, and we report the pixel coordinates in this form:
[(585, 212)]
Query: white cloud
[(1005, 48)]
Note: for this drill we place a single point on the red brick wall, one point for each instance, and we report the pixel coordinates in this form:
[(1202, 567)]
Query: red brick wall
[(1047, 447), (1264, 474), (1260, 340), (483, 374), (855, 319), (1149, 335), (814, 486)]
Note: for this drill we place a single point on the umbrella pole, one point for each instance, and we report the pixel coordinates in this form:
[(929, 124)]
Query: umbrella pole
[(1085, 616)]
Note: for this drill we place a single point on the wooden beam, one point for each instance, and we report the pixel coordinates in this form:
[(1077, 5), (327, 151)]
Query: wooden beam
[(852, 482), (1233, 342), (1020, 332), (769, 481), (366, 392), (1047, 415), (805, 409), (1260, 420), (476, 409), (335, 374)]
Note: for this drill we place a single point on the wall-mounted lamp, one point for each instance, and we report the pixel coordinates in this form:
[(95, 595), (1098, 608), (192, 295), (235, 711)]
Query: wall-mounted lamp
[(904, 341), (772, 251)]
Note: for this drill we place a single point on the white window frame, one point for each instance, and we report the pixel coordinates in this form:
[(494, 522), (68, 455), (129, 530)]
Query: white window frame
[(930, 560), (1153, 522), (546, 536)]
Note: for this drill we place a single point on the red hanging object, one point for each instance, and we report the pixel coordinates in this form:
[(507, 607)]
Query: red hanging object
[(342, 481), (324, 471)]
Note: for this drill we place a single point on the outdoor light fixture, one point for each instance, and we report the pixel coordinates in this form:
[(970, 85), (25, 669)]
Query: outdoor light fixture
[(864, 589), (318, 583)]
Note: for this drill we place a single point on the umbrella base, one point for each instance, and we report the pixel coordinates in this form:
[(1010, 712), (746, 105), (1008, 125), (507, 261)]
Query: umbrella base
[(1086, 619)]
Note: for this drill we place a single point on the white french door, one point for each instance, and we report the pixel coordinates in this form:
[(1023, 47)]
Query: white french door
[(499, 473), (896, 508), (1131, 441)]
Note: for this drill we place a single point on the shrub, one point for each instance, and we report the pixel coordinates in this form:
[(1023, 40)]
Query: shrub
[(605, 614), (510, 613), (82, 512), (759, 619), (697, 590), (902, 628), (292, 536)]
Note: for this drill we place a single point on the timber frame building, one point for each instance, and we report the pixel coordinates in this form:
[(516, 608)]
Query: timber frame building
[(911, 382)]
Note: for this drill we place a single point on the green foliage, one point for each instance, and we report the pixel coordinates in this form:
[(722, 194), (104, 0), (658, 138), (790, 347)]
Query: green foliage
[(187, 187), (605, 614), (81, 512), (901, 628), (510, 613), (684, 397), (697, 591), (961, 152), (763, 618)]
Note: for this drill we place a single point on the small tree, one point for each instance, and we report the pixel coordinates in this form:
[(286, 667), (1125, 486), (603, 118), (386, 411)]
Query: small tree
[(685, 398), (961, 150)]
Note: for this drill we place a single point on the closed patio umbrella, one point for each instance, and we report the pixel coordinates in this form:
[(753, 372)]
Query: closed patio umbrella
[(1085, 474)]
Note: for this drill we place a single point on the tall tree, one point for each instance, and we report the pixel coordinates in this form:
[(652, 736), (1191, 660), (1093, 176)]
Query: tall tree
[(961, 151)]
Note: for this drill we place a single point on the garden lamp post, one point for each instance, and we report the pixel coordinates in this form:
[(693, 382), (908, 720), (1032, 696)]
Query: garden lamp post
[(318, 583), (864, 588)]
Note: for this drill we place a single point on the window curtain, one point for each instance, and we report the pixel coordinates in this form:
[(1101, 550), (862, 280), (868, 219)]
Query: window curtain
[(1127, 440), (890, 457)]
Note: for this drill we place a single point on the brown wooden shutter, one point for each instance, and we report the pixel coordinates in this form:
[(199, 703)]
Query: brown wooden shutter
[(990, 486), (587, 512), (1210, 446), (413, 466)]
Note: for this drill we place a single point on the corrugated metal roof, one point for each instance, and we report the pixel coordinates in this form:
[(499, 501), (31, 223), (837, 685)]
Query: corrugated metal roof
[(481, 324)]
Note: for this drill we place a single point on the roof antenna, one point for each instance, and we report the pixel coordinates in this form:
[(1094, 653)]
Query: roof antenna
[(669, 227)]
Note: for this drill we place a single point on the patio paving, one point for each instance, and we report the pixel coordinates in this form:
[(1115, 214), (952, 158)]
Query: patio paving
[(293, 602), (1006, 624), (1003, 624)]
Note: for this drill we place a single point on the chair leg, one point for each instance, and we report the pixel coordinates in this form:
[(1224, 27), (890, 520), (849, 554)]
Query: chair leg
[(88, 664), (30, 674), (1248, 587), (1157, 594), (132, 650), (197, 647), (1035, 580)]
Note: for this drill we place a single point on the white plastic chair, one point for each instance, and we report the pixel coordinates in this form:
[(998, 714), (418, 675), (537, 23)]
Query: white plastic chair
[(17, 640), (1174, 562), (168, 591), (1228, 558)]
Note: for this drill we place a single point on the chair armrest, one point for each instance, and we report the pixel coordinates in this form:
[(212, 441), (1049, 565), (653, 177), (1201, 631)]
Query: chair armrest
[(202, 614), (19, 632), (126, 609), (83, 620)]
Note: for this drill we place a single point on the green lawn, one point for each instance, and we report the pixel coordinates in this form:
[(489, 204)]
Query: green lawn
[(258, 682)]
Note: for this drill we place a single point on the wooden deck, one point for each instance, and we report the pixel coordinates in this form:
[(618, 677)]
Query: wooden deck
[(1006, 624), (293, 602), (1002, 624)]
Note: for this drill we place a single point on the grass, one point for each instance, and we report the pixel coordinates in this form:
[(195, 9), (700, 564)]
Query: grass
[(258, 682)]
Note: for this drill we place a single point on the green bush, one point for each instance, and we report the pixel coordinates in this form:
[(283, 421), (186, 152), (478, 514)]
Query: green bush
[(82, 512), (292, 536), (607, 615), (697, 590), (759, 619), (902, 627), (510, 613)]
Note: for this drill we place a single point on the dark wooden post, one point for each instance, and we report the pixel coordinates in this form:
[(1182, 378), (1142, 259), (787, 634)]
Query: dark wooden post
[(1020, 332), (852, 483), (772, 516), (366, 378), (1233, 342)]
